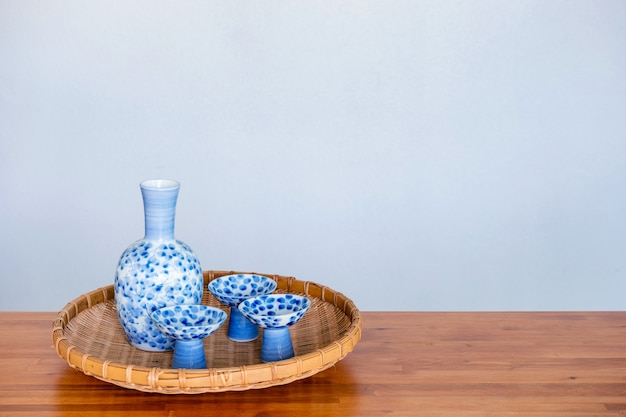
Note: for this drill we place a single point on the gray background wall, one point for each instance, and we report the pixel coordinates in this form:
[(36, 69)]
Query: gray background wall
[(415, 155)]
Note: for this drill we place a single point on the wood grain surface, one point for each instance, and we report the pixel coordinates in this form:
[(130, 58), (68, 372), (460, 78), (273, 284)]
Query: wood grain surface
[(407, 364)]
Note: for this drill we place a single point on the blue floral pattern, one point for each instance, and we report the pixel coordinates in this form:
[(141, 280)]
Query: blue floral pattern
[(186, 322), (231, 290), (152, 275), (275, 310)]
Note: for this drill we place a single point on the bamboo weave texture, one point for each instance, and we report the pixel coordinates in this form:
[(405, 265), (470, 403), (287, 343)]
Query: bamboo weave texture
[(88, 335)]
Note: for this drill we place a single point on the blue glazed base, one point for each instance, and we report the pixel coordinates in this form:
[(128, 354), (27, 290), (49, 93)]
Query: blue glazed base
[(189, 354), (240, 329), (276, 345)]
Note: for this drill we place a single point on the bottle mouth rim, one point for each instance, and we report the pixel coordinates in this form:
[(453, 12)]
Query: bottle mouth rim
[(159, 184)]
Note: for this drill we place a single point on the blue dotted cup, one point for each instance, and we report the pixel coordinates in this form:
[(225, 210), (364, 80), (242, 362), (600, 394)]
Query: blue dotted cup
[(231, 290), (275, 313), (188, 325)]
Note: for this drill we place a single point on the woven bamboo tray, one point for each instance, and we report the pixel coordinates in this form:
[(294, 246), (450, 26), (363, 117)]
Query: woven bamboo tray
[(88, 335)]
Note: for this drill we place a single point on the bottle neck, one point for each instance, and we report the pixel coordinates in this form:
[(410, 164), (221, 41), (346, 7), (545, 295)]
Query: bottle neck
[(159, 201)]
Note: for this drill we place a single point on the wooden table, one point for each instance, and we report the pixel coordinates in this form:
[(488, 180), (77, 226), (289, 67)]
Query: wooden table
[(407, 364)]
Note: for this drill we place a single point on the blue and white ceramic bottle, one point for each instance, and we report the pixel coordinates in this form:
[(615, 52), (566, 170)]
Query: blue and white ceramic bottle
[(156, 271)]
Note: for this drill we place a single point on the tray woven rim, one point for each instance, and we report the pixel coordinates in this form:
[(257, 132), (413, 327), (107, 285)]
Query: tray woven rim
[(186, 381)]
